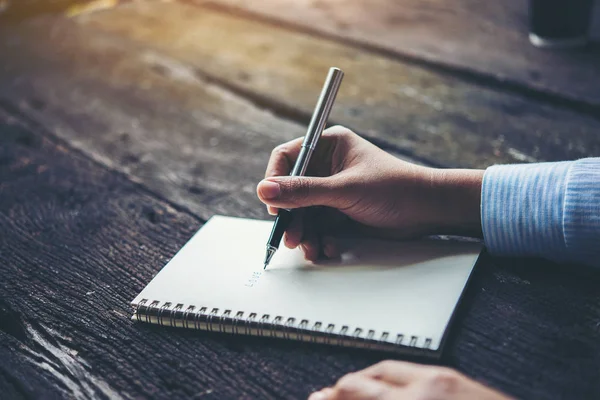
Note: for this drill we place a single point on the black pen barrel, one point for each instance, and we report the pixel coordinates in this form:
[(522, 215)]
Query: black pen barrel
[(282, 222)]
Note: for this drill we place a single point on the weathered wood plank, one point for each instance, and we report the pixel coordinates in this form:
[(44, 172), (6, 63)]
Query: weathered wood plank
[(144, 114), (435, 117), (14, 11), (488, 39), (70, 228), (546, 314), (77, 243)]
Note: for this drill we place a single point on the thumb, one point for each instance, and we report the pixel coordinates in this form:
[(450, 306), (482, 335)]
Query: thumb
[(299, 191)]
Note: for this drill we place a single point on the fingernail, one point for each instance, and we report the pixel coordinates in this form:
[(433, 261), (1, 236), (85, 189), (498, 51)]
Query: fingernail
[(272, 210), (269, 190), (320, 395), (330, 247)]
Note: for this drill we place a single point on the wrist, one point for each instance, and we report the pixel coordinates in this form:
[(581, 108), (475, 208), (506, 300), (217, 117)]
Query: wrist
[(456, 196)]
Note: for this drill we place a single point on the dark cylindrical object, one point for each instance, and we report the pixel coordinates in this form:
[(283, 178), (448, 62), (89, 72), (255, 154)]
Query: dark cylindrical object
[(559, 23)]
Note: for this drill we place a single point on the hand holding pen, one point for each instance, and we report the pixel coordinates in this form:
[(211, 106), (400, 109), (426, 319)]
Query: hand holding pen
[(315, 128), (365, 190)]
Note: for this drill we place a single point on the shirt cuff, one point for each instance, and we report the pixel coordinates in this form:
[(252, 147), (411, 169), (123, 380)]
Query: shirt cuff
[(522, 209), (581, 220)]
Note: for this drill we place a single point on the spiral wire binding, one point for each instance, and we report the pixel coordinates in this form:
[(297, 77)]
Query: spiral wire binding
[(201, 318)]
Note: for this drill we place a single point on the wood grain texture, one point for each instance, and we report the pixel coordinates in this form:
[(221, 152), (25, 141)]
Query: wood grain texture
[(434, 117), (145, 114), (14, 11), (488, 39), (79, 241), (535, 321)]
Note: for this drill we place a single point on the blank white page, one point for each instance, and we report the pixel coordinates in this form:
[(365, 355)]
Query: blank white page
[(409, 288)]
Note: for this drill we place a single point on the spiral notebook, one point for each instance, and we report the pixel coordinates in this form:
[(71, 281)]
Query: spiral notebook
[(385, 295)]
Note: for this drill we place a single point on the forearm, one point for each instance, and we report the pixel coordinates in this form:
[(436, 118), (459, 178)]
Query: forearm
[(457, 199), (549, 210)]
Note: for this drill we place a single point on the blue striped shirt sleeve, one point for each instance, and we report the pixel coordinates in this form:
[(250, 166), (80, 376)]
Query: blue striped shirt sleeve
[(549, 210)]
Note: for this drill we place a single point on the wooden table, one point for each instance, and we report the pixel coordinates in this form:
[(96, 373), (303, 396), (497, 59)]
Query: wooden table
[(118, 131)]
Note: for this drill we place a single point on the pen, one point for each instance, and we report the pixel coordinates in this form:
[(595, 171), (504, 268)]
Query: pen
[(315, 128)]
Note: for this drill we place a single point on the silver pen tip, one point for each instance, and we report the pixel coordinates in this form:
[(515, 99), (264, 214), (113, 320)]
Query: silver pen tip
[(270, 251)]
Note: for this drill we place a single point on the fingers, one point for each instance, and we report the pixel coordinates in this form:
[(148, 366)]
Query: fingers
[(300, 191), (295, 232), (304, 233), (358, 387), (281, 162), (399, 380), (330, 247), (315, 246), (354, 387), (311, 245), (323, 394), (283, 158), (396, 372), (311, 229)]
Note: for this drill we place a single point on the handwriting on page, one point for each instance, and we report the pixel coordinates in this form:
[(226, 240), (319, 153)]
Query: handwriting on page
[(253, 280)]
